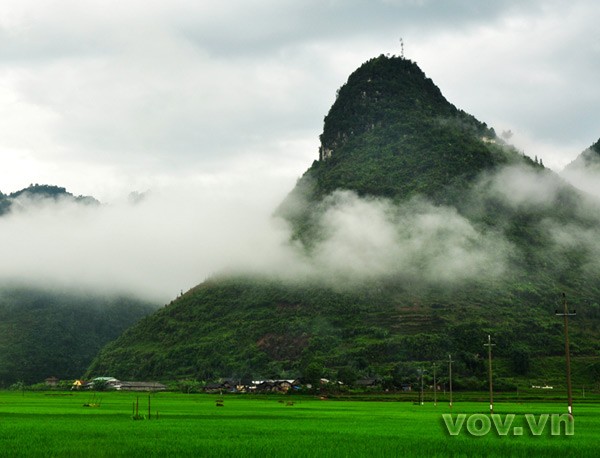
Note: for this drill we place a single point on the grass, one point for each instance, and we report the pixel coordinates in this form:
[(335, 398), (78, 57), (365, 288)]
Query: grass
[(47, 424)]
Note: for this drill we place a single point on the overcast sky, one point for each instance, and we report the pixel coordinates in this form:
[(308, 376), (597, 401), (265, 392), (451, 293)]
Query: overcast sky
[(112, 96), (216, 108)]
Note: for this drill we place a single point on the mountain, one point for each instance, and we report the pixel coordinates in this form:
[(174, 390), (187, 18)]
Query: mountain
[(53, 332), (36, 193), (47, 333), (416, 234)]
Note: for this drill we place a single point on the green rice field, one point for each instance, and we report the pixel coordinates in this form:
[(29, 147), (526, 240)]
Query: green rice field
[(83, 424)]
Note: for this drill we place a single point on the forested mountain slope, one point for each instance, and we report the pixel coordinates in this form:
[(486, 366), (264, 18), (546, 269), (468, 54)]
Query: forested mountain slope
[(46, 333)]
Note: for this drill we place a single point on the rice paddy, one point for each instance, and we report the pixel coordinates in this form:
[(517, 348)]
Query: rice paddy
[(86, 424)]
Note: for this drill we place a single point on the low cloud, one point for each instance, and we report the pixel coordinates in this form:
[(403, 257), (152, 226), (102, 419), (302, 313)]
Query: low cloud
[(169, 241), (173, 238), (416, 241), (585, 178), (523, 188)]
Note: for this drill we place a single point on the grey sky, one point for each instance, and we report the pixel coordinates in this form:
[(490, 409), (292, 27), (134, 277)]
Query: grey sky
[(107, 97)]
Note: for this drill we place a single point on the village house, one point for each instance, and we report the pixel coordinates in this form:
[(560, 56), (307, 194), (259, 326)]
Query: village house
[(219, 387), (366, 383), (111, 383), (52, 381), (139, 386), (276, 386)]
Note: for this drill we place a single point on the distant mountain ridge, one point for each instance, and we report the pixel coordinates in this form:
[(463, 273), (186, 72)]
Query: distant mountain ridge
[(588, 159), (41, 191), (584, 171)]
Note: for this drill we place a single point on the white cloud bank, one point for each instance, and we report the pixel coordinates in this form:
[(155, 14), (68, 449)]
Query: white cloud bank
[(168, 242), (174, 238), (417, 242)]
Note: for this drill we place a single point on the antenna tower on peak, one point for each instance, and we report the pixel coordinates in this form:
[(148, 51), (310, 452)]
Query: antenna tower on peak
[(401, 47)]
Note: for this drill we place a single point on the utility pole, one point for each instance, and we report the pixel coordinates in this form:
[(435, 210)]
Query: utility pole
[(490, 345), (435, 388), (422, 397), (450, 376), (565, 314), (401, 48)]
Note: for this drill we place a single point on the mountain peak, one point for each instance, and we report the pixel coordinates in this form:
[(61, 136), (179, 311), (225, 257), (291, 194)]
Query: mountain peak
[(391, 133), (380, 86)]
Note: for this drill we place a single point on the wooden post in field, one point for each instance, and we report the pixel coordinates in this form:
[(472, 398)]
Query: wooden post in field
[(450, 376), (434, 387), (422, 394), (490, 345)]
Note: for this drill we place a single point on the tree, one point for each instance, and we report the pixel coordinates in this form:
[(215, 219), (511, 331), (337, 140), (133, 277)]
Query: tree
[(520, 360), (312, 373), (347, 375), (100, 385)]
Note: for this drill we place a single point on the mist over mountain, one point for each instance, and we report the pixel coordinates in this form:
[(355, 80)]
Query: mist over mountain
[(417, 232), (584, 171), (36, 195), (91, 270), (467, 204), (48, 329)]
